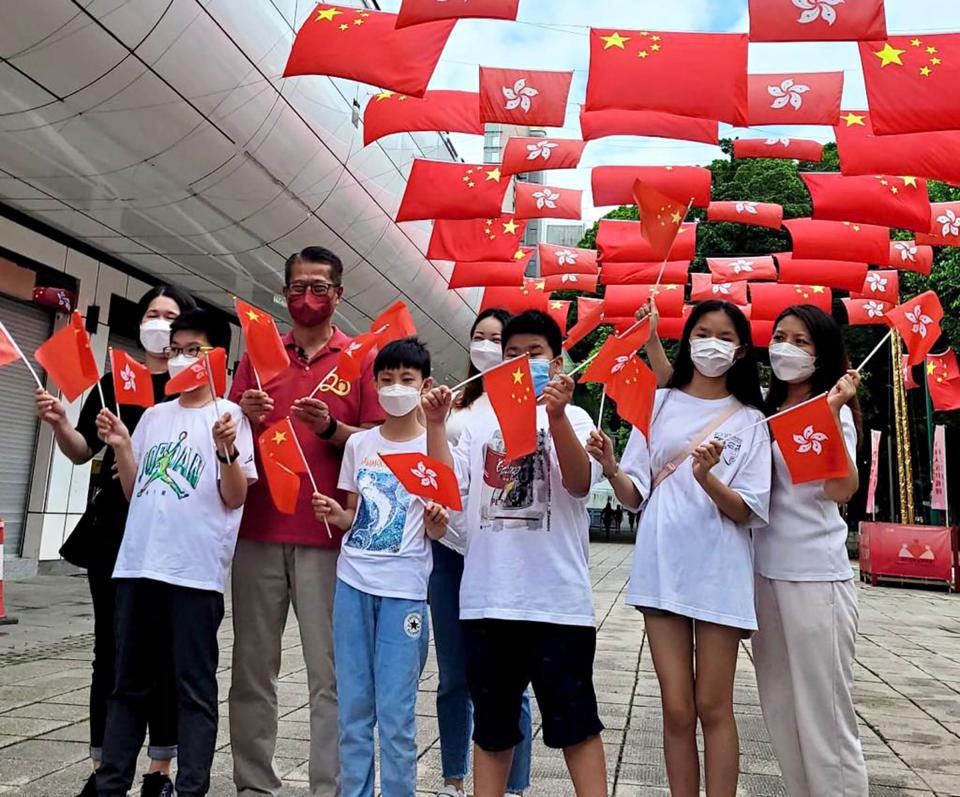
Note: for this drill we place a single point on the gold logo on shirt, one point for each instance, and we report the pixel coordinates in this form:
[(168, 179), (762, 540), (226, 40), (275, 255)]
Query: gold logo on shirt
[(334, 384)]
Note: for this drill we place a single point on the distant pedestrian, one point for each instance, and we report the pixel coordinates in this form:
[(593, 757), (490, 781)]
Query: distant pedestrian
[(618, 518), (606, 518)]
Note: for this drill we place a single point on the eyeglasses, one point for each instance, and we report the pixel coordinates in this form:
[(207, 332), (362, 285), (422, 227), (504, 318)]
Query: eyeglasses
[(316, 288), (193, 352)]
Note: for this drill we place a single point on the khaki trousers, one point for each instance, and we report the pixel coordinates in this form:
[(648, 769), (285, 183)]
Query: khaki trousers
[(803, 654), (267, 579)]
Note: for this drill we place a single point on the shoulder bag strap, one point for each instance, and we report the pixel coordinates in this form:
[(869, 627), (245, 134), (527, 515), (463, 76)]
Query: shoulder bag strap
[(675, 463)]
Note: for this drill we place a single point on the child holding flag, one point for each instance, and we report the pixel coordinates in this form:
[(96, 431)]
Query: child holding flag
[(380, 629)]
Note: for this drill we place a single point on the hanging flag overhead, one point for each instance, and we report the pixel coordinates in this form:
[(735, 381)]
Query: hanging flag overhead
[(838, 240), (559, 312), (566, 260), (810, 442), (692, 74), (451, 190), (68, 358), (673, 272), (623, 242), (533, 201), (816, 20), (761, 333), (613, 185), (510, 390), (843, 274), (735, 269), (617, 122), (450, 111), (540, 154), (703, 288), (586, 283), (195, 376), (769, 299), (476, 239), (132, 383), (524, 97), (795, 98), (883, 286), (865, 311), (660, 217), (761, 214), (265, 348), (532, 295), (909, 256), (886, 201), (426, 478), (778, 148), (918, 322), (362, 45), (482, 275), (624, 300), (417, 12), (944, 225), (943, 379)]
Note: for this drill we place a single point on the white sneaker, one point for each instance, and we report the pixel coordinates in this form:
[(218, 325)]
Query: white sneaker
[(450, 790)]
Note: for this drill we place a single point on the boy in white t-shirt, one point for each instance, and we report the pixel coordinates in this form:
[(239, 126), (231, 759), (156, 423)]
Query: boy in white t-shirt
[(185, 472), (380, 610)]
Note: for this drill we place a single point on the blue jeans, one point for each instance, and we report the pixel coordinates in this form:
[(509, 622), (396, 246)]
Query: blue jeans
[(454, 709), (378, 647)]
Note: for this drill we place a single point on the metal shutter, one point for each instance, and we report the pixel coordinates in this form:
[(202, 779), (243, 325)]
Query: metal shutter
[(30, 326)]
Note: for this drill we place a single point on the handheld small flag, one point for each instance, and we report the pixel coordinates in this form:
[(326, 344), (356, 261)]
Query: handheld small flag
[(267, 353), (510, 390), (68, 358), (634, 387), (426, 478), (196, 375), (918, 322), (282, 462), (811, 442), (131, 380), (616, 353), (10, 351)]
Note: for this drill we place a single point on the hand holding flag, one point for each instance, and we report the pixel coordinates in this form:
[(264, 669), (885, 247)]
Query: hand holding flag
[(131, 380), (509, 387), (10, 351), (810, 440), (68, 358), (428, 479), (268, 355), (918, 322)]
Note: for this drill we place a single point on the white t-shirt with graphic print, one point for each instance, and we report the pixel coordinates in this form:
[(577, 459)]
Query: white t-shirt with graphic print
[(386, 551), (178, 529)]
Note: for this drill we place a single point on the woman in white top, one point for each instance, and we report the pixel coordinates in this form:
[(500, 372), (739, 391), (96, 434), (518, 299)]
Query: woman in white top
[(454, 710), (705, 479), (806, 595)]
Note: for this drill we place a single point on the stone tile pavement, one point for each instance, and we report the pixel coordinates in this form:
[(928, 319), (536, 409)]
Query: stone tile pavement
[(908, 697)]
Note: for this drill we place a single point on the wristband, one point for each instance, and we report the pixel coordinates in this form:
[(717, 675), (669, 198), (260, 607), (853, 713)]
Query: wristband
[(234, 456), (330, 431)]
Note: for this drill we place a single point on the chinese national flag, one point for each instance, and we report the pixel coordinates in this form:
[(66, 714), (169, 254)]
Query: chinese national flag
[(811, 442), (586, 283), (883, 286), (417, 12), (614, 185), (660, 217), (623, 242), (426, 478), (865, 311), (589, 316), (524, 97), (195, 376), (354, 354), (624, 300), (131, 380), (614, 353), (393, 323), (769, 299), (8, 349), (281, 461), (451, 190), (365, 46), (934, 155), (760, 214), (267, 353), (838, 240), (69, 360), (761, 332), (944, 225), (634, 387), (566, 260), (795, 98), (673, 272), (532, 295), (799, 149), (842, 274), (885, 201), (911, 83), (510, 390), (539, 154), (703, 75), (906, 369), (534, 201), (493, 274), (559, 311), (918, 322), (703, 288), (672, 328), (451, 111), (617, 122), (910, 256), (943, 379), (735, 269), (816, 20), (474, 240)]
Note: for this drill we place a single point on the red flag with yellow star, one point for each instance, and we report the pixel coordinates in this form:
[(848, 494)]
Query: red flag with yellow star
[(477, 239), (489, 274), (843, 274), (633, 388), (623, 242), (365, 46), (540, 154), (795, 98), (510, 390), (524, 97), (838, 240), (281, 461), (559, 311), (769, 299), (882, 285), (778, 148), (943, 379), (622, 301), (613, 185), (566, 260), (817, 20), (911, 83), (736, 269), (68, 358), (417, 12), (451, 190), (878, 199), (660, 217), (672, 272), (590, 314), (691, 74), (267, 353), (918, 322), (760, 214), (618, 122), (534, 201), (452, 111), (532, 295), (944, 225), (911, 256)]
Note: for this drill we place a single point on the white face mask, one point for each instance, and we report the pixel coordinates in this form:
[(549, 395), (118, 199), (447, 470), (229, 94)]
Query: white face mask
[(155, 335), (712, 356), (485, 354), (398, 400), (791, 363), (181, 362)]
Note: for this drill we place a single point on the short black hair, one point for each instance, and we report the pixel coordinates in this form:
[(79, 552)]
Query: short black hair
[(403, 353), (534, 322), (212, 324), (314, 254), (182, 299)]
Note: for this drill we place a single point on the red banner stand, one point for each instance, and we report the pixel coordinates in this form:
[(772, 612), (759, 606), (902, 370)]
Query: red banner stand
[(4, 620), (909, 554)]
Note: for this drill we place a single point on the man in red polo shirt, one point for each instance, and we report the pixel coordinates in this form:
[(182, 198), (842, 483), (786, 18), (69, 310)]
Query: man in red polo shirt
[(283, 559)]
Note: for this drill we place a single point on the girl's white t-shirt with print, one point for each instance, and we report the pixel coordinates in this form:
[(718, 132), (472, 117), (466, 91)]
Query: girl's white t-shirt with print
[(386, 552), (690, 558), (178, 529)]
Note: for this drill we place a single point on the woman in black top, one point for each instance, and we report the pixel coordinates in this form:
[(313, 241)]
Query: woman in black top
[(95, 541)]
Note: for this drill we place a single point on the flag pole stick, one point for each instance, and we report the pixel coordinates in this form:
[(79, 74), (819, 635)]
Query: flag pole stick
[(112, 370), (213, 392), (473, 378), (603, 398), (257, 377), (103, 401), (316, 390), (663, 265), (313, 481), (584, 364), (19, 351), (876, 348)]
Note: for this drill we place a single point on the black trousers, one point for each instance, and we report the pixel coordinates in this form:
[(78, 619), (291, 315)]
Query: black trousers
[(157, 622), (162, 706)]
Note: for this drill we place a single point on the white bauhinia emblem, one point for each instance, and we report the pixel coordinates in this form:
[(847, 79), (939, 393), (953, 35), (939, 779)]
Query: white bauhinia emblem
[(620, 363), (129, 378), (772, 142), (542, 149), (519, 96), (546, 198), (788, 92), (742, 266), (747, 207), (873, 309), (427, 476), (722, 288), (919, 320), (569, 278), (566, 258), (908, 251), (817, 9), (950, 222), (810, 440), (877, 282), (352, 349)]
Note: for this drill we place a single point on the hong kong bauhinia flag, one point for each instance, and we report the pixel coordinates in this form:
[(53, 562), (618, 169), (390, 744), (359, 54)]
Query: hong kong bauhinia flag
[(540, 154), (613, 185), (534, 201), (496, 238), (450, 111), (838, 240), (911, 256), (365, 46), (451, 190), (618, 122), (886, 201), (865, 311), (524, 97), (703, 288), (426, 478), (692, 74), (944, 225), (734, 269), (614, 353), (778, 148), (795, 98), (918, 322), (586, 283), (510, 390), (816, 20), (131, 380), (810, 442), (881, 285), (761, 214), (566, 260), (416, 12)]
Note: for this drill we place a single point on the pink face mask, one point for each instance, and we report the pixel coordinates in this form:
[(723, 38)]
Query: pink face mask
[(309, 310)]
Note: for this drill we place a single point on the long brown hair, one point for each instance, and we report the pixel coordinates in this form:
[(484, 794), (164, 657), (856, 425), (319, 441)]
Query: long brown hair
[(474, 389)]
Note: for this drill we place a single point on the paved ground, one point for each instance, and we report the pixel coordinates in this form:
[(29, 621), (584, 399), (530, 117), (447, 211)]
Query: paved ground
[(908, 697)]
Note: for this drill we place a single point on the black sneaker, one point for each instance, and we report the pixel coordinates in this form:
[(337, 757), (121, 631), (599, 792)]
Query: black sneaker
[(90, 787), (156, 784)]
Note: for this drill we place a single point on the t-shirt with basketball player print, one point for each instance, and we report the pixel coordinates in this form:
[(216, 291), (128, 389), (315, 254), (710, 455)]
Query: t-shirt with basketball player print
[(178, 530), (386, 551)]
